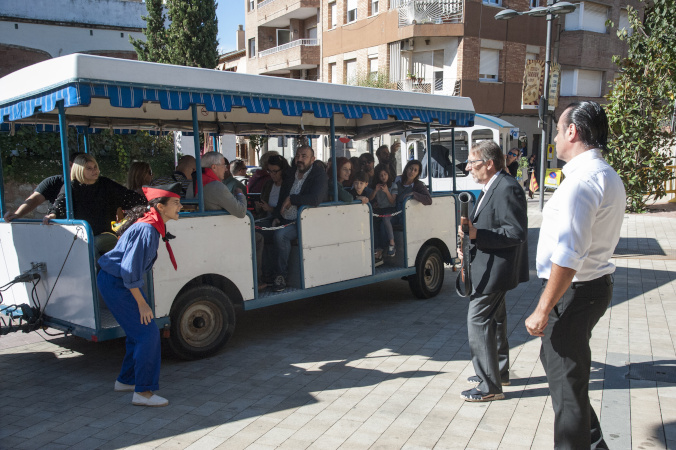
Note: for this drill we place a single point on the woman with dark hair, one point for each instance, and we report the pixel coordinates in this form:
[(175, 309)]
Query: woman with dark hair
[(354, 161), (276, 167), (140, 174), (343, 172), (120, 280), (406, 185)]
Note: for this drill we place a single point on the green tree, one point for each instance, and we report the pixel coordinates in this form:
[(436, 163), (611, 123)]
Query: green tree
[(189, 40), (641, 104), (154, 48)]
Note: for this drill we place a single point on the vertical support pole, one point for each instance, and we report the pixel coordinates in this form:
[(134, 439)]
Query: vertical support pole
[(85, 139), (545, 100), (429, 158), (65, 159), (370, 145), (2, 192), (453, 158), (334, 169), (214, 143), (198, 157)]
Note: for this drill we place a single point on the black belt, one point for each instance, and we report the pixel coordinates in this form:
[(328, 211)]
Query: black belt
[(608, 279)]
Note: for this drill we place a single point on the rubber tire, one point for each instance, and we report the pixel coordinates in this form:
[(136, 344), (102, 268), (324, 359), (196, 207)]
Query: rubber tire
[(209, 304), (429, 273)]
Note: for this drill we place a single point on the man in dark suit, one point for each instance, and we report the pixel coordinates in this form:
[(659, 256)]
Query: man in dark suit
[(498, 230)]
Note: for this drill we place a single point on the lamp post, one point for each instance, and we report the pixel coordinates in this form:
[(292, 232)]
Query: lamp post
[(549, 12)]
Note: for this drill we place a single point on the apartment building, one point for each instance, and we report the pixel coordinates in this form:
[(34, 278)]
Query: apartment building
[(37, 30), (440, 47)]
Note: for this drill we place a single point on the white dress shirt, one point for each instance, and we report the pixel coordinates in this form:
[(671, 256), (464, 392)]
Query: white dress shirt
[(581, 222), (485, 189)]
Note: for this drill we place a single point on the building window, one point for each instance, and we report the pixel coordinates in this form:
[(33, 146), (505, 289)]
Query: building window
[(534, 3), (333, 18), (531, 56), (283, 36), (333, 76), (374, 7), (489, 61), (252, 5), (581, 83), (493, 2), (624, 22), (351, 11), (588, 16), (252, 47), (351, 71), (373, 68)]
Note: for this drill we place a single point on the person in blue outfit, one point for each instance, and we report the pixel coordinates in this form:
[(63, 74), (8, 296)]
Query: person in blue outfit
[(120, 281)]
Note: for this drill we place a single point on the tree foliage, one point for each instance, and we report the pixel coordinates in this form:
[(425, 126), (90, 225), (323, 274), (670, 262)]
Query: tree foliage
[(189, 40), (641, 104), (378, 79)]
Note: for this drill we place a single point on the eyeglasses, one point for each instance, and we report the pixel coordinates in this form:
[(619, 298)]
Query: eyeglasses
[(274, 171), (513, 154), (474, 161)]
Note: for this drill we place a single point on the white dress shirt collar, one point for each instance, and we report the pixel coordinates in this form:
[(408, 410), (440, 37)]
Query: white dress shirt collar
[(581, 160)]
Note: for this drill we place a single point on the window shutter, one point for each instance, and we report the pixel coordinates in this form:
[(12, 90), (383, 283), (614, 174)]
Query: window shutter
[(589, 83), (573, 19), (489, 61), (594, 17)]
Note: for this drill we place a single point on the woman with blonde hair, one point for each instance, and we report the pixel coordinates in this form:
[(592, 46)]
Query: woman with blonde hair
[(96, 200)]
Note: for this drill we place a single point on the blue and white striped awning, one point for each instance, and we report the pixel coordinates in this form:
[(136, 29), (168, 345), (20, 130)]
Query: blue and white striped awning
[(81, 94)]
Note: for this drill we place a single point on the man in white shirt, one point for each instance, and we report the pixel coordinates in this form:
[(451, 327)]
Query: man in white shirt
[(580, 229)]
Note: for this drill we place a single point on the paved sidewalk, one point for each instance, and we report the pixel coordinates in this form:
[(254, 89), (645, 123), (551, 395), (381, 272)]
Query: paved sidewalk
[(367, 368)]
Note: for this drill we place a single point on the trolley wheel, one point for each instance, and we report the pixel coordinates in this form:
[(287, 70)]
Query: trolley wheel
[(429, 273), (202, 321)]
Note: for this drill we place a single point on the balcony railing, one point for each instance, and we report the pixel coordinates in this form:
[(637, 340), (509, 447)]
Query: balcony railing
[(292, 44), (418, 12), (439, 86), (265, 2)]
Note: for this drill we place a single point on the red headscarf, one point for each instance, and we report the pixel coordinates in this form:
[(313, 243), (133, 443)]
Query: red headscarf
[(153, 216)]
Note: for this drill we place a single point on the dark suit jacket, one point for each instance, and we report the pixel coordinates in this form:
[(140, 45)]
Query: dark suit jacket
[(500, 251), (313, 192)]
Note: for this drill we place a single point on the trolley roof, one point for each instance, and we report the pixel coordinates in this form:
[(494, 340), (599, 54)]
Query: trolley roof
[(101, 92)]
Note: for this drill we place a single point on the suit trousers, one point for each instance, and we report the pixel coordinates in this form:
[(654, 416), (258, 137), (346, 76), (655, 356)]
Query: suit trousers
[(566, 358), (486, 329)]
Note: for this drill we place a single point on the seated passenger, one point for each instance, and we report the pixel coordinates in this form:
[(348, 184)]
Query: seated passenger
[(261, 176), (389, 160), (96, 200), (306, 185), (277, 166), (216, 195), (360, 188), (184, 173), (343, 170), (405, 186), (140, 174), (356, 168), (238, 170), (366, 163), (230, 181), (48, 189)]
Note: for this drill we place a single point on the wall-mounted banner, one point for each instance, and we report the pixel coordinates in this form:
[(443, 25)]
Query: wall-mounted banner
[(534, 81)]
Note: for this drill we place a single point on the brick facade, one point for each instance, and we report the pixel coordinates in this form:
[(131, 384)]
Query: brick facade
[(14, 58)]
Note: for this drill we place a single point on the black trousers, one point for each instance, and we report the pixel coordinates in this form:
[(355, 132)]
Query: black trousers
[(566, 357)]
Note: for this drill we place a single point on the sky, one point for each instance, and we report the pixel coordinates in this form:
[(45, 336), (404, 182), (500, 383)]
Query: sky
[(230, 14)]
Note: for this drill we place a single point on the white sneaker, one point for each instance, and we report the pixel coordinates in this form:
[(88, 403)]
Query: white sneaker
[(154, 400), (121, 387)]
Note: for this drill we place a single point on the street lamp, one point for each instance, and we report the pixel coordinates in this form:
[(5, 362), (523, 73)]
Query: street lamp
[(549, 12)]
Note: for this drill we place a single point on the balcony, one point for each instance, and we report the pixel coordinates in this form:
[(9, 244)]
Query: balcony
[(420, 12), (295, 55), (439, 86), (279, 13)]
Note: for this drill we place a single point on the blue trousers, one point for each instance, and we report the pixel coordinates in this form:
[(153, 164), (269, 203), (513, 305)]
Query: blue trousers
[(141, 364), (283, 238)]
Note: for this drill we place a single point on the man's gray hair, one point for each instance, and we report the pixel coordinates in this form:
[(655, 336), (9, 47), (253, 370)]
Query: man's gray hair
[(490, 151), (211, 158)]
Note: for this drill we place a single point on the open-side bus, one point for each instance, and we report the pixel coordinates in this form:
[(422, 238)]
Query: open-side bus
[(194, 307)]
